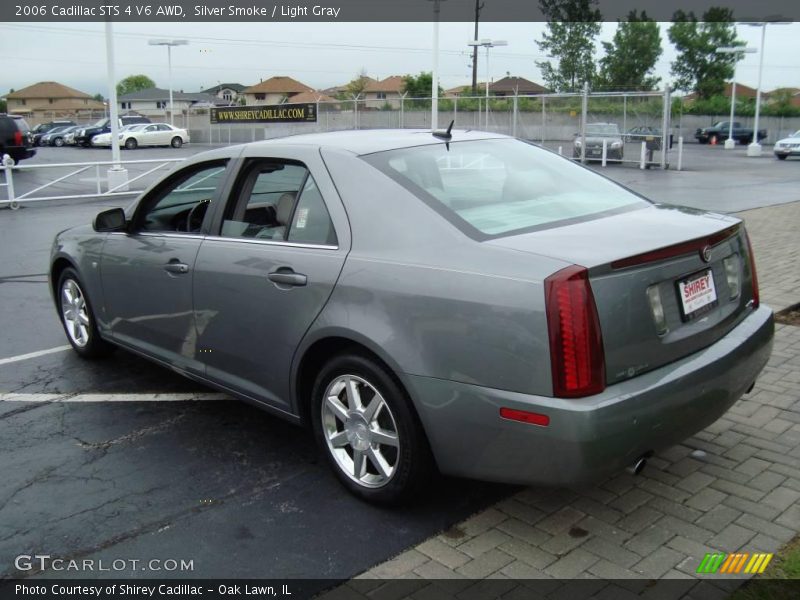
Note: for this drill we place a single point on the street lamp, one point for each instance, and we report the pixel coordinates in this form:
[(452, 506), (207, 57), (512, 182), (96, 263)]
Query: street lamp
[(754, 149), (169, 44), (486, 43), (739, 52), (435, 74)]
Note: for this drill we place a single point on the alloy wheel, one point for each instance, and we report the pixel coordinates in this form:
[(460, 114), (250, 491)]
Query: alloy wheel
[(75, 313), (360, 431)]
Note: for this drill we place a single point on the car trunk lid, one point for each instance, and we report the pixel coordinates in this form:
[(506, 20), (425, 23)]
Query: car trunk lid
[(664, 280)]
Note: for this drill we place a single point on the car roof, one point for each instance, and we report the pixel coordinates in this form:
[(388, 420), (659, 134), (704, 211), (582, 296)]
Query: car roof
[(376, 140)]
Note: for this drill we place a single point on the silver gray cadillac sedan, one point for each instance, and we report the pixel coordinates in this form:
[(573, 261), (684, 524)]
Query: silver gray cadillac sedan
[(465, 301)]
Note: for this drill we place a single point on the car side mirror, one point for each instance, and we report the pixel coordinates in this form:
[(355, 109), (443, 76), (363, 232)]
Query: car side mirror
[(112, 219)]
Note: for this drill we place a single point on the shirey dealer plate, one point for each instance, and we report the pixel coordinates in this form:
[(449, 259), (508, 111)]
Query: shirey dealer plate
[(274, 113)]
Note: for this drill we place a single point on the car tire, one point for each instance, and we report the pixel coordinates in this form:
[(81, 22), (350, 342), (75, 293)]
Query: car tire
[(77, 317), (176, 142), (781, 156), (355, 400), (58, 142), (131, 144)]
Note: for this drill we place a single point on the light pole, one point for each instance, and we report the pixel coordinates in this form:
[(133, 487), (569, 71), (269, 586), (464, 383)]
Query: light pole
[(754, 149), (487, 43), (738, 51), (435, 74), (169, 44)]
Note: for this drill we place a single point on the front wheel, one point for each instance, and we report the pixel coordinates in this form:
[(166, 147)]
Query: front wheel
[(781, 156), (58, 142), (131, 144), (176, 142), (366, 427), (78, 319)]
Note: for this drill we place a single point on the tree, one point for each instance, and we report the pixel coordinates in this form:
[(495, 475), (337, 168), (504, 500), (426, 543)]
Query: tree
[(134, 83), (631, 57), (99, 97), (356, 87), (572, 26), (698, 66)]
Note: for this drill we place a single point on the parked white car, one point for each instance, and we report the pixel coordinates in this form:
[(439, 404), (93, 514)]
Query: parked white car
[(789, 146), (146, 134)]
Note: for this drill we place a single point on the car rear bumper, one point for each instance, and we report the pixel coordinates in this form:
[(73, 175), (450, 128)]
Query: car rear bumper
[(589, 438)]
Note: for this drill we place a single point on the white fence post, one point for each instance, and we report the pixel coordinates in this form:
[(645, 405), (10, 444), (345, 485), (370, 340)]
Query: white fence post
[(665, 125), (605, 151), (8, 163), (643, 156), (680, 152), (584, 113)]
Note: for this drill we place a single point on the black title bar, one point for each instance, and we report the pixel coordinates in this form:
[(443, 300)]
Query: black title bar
[(222, 11)]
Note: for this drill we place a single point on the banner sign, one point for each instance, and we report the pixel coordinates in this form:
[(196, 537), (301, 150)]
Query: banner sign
[(274, 113)]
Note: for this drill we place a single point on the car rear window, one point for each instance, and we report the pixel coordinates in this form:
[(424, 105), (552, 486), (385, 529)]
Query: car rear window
[(491, 188)]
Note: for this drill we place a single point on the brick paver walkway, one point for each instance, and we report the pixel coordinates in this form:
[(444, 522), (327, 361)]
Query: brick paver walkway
[(735, 485)]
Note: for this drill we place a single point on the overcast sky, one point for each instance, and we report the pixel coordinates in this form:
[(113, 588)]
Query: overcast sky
[(318, 54)]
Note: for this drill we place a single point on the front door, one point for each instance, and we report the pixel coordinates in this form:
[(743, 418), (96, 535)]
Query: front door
[(147, 272)]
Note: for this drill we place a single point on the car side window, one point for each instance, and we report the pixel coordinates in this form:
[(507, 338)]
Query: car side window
[(264, 199), (163, 128), (181, 204), (311, 223)]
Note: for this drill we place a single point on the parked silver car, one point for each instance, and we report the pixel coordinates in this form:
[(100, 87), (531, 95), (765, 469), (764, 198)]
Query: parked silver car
[(473, 303)]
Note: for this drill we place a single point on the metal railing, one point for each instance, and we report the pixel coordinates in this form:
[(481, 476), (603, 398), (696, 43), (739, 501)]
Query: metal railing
[(11, 170)]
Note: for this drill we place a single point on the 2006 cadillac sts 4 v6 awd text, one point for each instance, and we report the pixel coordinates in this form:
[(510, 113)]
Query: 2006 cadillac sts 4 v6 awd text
[(468, 302)]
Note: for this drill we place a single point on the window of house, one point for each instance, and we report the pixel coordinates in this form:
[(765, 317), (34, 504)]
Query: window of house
[(381, 95), (161, 104), (50, 100), (261, 96)]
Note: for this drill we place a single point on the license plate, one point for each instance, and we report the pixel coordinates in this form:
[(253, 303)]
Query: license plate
[(698, 294)]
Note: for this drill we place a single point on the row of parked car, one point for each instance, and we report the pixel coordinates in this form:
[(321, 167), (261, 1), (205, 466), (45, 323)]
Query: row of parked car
[(19, 141), (134, 131)]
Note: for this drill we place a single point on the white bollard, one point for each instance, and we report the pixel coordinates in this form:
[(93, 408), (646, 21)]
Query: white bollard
[(680, 152), (9, 163), (643, 156), (605, 151), (559, 150)]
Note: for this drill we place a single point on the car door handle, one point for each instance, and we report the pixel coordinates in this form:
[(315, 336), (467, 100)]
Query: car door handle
[(286, 276), (176, 267)]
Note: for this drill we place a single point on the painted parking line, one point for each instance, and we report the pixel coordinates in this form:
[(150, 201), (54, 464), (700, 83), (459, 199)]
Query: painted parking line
[(184, 397), (19, 357)]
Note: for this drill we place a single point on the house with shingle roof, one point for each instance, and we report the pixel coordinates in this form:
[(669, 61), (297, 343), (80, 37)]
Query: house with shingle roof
[(378, 94), (226, 91), (50, 99), (155, 101), (274, 90)]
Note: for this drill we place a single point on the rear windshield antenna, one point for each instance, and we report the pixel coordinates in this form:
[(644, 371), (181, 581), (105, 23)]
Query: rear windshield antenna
[(445, 135)]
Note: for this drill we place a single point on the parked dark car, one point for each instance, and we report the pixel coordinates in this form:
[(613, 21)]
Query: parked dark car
[(84, 136), (43, 128), (645, 133), (720, 130), (14, 138), (462, 300), (56, 137), (595, 134)]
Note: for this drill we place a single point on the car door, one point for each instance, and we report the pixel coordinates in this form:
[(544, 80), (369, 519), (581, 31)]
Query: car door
[(147, 271), (164, 134), (148, 136), (267, 271)]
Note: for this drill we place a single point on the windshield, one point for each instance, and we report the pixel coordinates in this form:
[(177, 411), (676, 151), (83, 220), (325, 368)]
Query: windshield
[(602, 129), (490, 188), (101, 123), (796, 134), (134, 127)]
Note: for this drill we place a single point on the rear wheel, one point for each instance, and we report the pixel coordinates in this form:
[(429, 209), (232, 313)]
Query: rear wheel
[(131, 144), (58, 142), (368, 431), (176, 142), (78, 319), (781, 156)]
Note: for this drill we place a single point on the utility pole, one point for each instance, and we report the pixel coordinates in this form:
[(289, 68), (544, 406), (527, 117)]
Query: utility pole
[(478, 7)]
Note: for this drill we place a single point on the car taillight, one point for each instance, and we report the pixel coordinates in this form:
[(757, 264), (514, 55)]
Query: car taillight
[(752, 260), (18, 138), (576, 345)]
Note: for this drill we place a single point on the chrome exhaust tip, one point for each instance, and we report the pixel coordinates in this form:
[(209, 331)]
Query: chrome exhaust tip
[(637, 467)]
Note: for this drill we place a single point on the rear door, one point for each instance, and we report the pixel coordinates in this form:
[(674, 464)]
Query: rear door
[(261, 280)]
